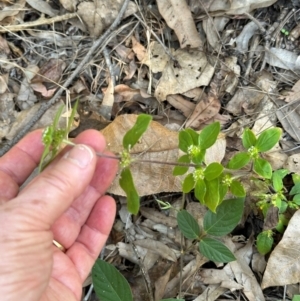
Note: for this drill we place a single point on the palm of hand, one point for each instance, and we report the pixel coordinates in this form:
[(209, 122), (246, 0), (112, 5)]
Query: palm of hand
[(67, 207)]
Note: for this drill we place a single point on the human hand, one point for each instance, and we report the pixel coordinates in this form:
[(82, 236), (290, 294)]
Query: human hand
[(65, 202)]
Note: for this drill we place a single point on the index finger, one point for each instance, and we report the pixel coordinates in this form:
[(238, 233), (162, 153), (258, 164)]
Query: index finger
[(17, 164)]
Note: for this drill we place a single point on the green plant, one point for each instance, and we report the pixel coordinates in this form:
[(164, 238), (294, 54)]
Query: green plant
[(211, 184), (227, 216)]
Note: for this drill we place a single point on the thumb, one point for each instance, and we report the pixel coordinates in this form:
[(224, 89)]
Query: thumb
[(53, 191)]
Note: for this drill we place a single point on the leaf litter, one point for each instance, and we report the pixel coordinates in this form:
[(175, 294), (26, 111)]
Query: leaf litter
[(187, 63)]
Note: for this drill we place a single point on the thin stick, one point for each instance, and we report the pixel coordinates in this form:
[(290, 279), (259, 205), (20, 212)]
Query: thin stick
[(40, 21), (45, 106)]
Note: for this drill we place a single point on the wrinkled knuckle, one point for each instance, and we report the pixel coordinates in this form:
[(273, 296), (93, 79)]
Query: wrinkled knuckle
[(59, 182)]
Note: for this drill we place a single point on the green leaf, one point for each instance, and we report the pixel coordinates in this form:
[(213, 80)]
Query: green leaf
[(212, 198), (194, 135), (215, 250), (185, 141), (239, 160), (277, 177), (109, 283), (223, 189), (296, 199), (296, 298), (57, 117), (213, 171), (126, 183), (296, 178), (237, 188), (249, 138), (199, 157), (264, 242), (267, 139), (136, 132), (181, 170), (263, 168), (71, 118), (227, 216), (188, 183), (188, 225), (283, 206), (295, 189), (209, 135), (200, 190)]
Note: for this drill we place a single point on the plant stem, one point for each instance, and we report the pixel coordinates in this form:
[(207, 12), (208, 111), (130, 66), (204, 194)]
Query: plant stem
[(236, 173)]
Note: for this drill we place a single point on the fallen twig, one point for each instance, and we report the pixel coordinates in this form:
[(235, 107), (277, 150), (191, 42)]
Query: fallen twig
[(45, 106)]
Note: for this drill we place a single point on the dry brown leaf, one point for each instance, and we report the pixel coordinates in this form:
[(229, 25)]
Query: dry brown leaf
[(108, 101), (69, 4), (158, 217), (180, 103), (12, 10), (193, 70), (293, 163), (295, 93), (138, 49), (157, 247), (156, 58), (26, 97), (3, 83), (148, 257), (288, 117), (243, 273), (158, 143), (284, 264), (160, 284), (43, 7), (50, 72), (100, 14), (204, 110), (178, 16)]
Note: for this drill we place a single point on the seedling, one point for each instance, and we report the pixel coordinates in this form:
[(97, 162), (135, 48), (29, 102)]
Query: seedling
[(210, 183)]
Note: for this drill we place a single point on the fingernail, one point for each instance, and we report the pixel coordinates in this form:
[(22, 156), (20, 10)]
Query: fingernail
[(80, 154)]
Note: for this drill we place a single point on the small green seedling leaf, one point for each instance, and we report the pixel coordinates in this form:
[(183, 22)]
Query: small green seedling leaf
[(200, 190), (109, 283), (209, 135), (295, 189), (277, 177), (227, 216), (188, 225), (296, 178), (264, 242), (213, 171), (136, 132), (296, 298), (267, 139), (52, 139), (194, 135), (249, 138), (237, 189), (185, 140), (263, 168), (198, 157), (212, 197), (239, 160), (71, 118), (188, 183), (215, 250), (296, 199), (181, 170), (126, 183)]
